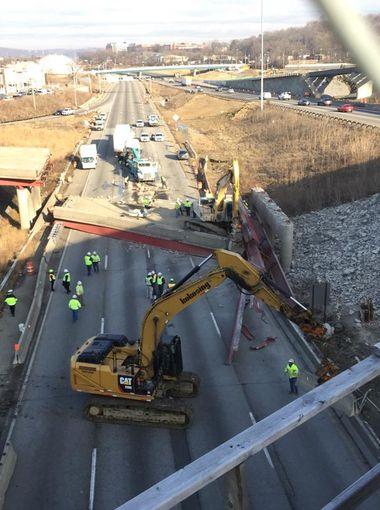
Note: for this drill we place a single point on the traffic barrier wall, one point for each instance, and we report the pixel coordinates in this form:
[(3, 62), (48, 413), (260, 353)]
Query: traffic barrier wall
[(277, 221), (7, 467)]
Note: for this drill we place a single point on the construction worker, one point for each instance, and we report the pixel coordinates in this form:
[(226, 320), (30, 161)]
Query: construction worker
[(88, 262), (11, 301), (147, 202), (66, 280), (74, 305), (164, 184), (154, 285), (148, 283), (187, 204), (160, 284), (95, 261), (52, 279), (171, 283), (178, 208), (292, 372), (79, 291)]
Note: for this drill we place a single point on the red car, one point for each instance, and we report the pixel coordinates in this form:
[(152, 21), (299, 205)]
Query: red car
[(345, 108)]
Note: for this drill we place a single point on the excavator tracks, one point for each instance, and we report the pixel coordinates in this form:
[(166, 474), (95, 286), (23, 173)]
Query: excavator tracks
[(186, 386), (165, 413)]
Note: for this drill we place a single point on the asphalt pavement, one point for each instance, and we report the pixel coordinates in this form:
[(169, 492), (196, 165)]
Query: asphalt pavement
[(67, 462)]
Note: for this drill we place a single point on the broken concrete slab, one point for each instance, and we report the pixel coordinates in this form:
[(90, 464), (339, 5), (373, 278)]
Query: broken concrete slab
[(26, 163), (115, 220)]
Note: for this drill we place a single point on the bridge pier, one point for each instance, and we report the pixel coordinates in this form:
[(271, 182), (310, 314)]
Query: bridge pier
[(24, 207)]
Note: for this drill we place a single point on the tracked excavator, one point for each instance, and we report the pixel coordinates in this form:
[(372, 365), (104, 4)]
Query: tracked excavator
[(143, 376), (219, 210)]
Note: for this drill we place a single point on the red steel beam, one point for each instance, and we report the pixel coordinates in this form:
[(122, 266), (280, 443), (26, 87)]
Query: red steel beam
[(134, 237), (20, 183)]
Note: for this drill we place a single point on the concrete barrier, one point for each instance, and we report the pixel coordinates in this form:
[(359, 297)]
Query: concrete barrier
[(278, 223), (7, 467)]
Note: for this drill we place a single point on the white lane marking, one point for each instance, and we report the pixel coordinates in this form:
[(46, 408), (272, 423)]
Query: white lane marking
[(269, 459), (102, 325), (215, 324), (32, 358), (106, 262), (148, 252), (92, 481), (192, 262)]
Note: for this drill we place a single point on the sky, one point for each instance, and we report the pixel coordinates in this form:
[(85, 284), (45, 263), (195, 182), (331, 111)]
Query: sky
[(41, 24)]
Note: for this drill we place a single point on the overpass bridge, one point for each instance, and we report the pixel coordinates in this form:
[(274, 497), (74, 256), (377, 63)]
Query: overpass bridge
[(312, 83), (185, 67)]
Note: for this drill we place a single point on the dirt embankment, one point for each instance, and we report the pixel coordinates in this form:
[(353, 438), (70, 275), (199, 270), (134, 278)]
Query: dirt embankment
[(60, 135), (305, 164)]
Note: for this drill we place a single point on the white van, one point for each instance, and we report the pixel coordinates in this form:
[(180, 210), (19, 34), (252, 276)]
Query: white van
[(88, 155)]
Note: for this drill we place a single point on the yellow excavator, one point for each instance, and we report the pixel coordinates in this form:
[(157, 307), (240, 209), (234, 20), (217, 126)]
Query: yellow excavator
[(146, 374), (219, 208)]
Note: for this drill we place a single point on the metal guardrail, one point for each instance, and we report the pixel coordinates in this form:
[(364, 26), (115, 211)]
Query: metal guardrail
[(231, 454)]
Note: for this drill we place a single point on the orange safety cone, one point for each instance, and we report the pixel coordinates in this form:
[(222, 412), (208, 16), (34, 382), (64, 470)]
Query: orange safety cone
[(29, 267)]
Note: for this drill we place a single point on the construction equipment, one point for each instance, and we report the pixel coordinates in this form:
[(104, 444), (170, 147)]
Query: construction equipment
[(221, 207), (151, 368)]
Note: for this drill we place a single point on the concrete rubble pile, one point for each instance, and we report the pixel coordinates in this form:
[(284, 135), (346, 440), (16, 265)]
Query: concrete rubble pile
[(340, 245)]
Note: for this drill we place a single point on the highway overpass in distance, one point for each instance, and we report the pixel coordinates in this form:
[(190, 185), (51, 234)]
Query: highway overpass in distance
[(188, 67)]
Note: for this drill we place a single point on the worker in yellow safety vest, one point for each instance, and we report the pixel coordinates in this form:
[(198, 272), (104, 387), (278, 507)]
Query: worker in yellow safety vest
[(187, 204), (292, 372), (178, 208), (79, 291), (66, 280), (147, 202), (95, 261), (160, 282), (88, 262), (11, 301), (74, 305)]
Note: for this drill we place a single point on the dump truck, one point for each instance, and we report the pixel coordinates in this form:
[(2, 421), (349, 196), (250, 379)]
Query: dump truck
[(122, 133), (88, 155)]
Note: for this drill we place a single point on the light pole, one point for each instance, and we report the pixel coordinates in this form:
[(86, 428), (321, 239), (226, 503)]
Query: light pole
[(262, 61)]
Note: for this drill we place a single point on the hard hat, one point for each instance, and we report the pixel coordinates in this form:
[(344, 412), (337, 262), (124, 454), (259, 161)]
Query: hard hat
[(74, 296), (159, 274), (150, 273), (94, 252), (80, 283), (10, 291), (291, 360), (88, 253), (51, 270), (171, 280), (65, 270)]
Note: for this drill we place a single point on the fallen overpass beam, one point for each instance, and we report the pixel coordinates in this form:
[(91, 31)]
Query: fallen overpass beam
[(160, 229)]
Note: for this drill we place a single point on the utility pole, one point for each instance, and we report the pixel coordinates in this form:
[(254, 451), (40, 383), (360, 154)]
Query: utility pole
[(75, 89), (262, 61)]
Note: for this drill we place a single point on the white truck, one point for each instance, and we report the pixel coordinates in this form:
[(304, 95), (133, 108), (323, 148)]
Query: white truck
[(153, 120), (88, 155), (144, 170), (122, 133), (186, 81)]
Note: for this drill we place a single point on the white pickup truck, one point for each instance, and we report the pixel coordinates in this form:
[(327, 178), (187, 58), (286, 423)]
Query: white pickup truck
[(88, 155), (153, 120)]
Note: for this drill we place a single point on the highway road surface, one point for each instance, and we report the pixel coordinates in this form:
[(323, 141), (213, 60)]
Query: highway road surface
[(66, 462), (368, 116)]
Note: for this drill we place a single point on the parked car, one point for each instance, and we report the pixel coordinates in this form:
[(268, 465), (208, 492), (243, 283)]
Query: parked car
[(158, 137), (345, 108), (67, 111), (284, 96), (58, 112), (182, 154), (325, 101), (7, 98), (220, 89), (19, 94), (102, 115), (140, 123), (231, 91), (266, 95), (303, 102), (144, 137), (98, 124)]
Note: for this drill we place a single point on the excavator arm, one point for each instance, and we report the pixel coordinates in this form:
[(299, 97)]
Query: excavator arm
[(230, 178), (234, 267)]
